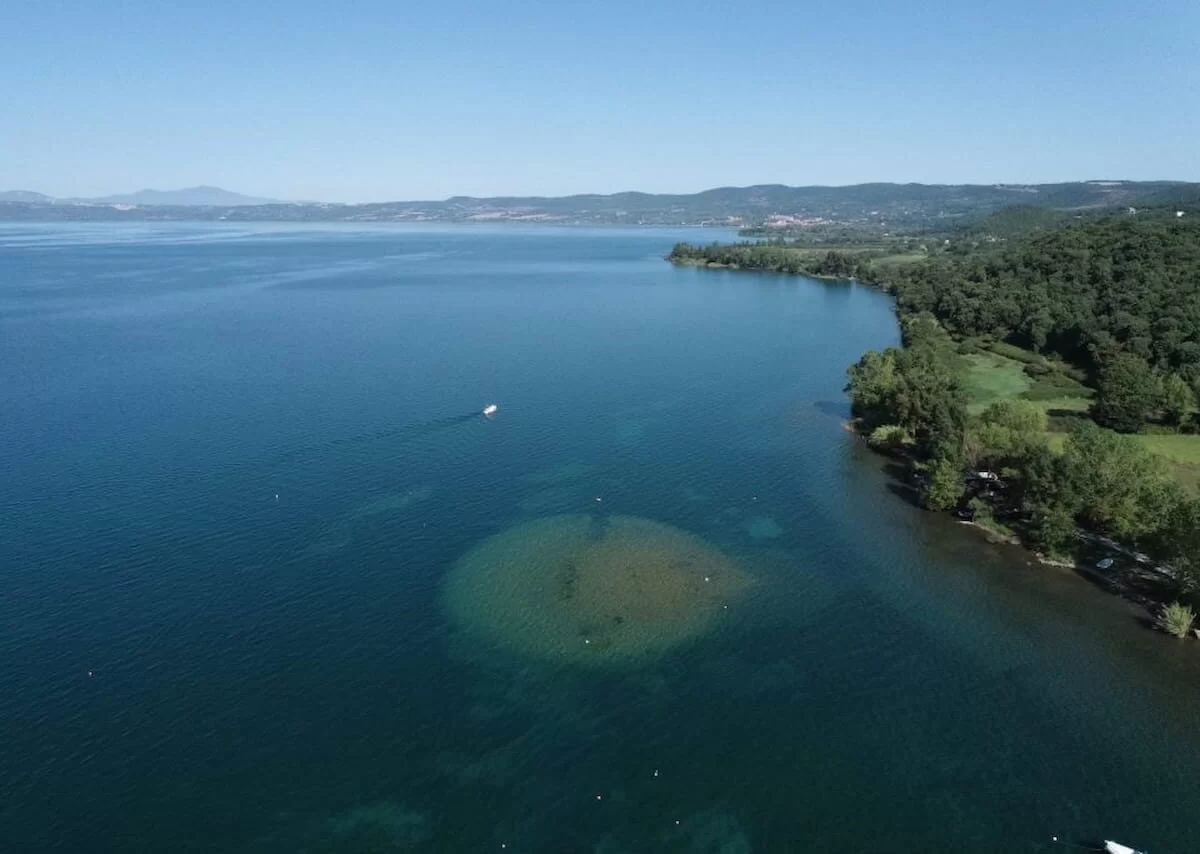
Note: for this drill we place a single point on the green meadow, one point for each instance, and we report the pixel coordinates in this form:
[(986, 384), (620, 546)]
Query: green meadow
[(992, 377)]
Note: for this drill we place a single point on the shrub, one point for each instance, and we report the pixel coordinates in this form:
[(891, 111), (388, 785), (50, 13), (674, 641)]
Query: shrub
[(1054, 385), (1065, 422), (945, 485), (1021, 417), (1178, 619), (981, 511), (1052, 528), (1011, 351), (888, 437)]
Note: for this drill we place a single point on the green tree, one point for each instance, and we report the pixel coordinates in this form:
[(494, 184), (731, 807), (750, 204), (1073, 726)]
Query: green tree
[(1178, 399), (888, 437), (872, 387), (1042, 478), (944, 488), (918, 388), (1180, 540), (1022, 417), (1127, 394), (1005, 433), (1052, 527), (930, 401), (1119, 487)]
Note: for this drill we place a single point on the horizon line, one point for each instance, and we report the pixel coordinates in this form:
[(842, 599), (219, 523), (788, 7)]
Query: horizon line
[(269, 201)]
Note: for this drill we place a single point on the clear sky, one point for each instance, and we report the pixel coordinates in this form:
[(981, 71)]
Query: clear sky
[(361, 100)]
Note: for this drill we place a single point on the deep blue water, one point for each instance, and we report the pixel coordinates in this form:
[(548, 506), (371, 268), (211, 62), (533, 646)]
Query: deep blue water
[(236, 464)]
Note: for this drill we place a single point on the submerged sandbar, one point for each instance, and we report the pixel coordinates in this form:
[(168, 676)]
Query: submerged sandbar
[(588, 589)]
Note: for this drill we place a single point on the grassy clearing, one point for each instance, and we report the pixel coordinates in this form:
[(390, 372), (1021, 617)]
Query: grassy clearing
[(996, 371), (1182, 454), (1058, 391), (1075, 403), (1178, 448), (991, 378), (903, 258)]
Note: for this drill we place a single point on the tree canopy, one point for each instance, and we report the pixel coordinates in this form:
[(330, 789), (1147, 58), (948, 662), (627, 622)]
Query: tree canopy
[(1087, 292)]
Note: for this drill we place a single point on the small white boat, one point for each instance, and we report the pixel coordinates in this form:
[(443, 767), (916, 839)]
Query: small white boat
[(491, 409), (1105, 564), (1117, 848)]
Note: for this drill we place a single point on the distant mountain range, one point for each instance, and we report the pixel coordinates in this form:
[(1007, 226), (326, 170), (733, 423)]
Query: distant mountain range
[(25, 196), (189, 197), (868, 206), (202, 196)]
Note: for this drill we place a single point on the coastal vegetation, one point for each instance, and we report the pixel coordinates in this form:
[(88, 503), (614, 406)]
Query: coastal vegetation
[(785, 257), (1047, 384)]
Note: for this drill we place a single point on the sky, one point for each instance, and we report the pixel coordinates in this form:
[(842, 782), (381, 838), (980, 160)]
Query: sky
[(361, 100)]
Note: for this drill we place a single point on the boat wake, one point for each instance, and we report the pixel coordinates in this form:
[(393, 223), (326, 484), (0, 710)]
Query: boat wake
[(411, 430)]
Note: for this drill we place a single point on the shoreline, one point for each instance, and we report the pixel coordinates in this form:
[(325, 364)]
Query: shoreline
[(1124, 580), (1115, 567), (701, 264)]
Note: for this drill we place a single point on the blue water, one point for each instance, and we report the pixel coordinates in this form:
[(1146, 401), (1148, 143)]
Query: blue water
[(237, 464)]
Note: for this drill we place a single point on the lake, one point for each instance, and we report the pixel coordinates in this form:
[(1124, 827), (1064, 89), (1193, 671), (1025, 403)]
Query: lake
[(272, 583)]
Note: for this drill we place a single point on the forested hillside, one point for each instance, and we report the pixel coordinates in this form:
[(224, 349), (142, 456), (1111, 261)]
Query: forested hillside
[(1085, 292), (864, 208)]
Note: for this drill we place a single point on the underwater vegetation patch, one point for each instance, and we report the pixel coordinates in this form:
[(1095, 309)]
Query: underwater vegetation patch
[(592, 590)]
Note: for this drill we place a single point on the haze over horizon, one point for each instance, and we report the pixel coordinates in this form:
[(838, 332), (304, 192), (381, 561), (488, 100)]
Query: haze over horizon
[(379, 103), (202, 195)]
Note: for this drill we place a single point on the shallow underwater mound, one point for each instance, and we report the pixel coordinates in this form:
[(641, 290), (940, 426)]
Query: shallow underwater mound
[(588, 589)]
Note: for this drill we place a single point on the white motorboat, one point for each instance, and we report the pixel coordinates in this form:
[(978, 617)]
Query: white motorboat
[(491, 409), (1117, 848)]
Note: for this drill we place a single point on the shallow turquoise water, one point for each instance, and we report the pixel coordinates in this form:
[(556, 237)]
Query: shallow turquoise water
[(192, 664)]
